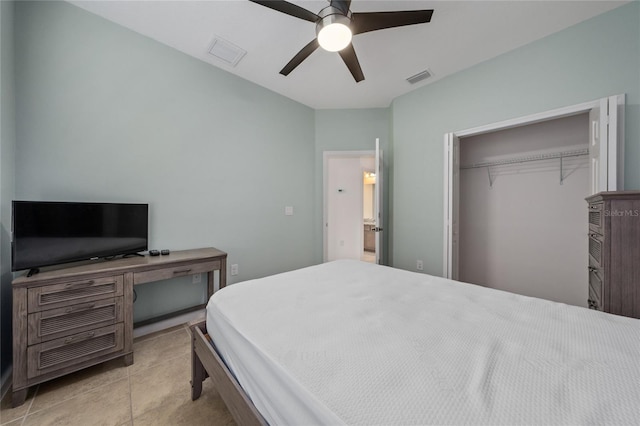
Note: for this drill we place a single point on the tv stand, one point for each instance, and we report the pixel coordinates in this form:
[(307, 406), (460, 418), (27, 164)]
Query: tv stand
[(33, 271), (70, 318)]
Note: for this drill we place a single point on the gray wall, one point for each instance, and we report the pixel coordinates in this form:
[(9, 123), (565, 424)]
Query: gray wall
[(351, 130), (7, 149), (104, 114), (594, 59)]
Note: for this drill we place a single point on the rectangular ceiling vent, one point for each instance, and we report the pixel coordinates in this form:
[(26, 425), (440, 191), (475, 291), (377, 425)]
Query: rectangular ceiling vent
[(226, 51), (419, 77)]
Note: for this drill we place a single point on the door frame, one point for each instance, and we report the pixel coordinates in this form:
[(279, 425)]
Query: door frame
[(326, 156), (610, 128)]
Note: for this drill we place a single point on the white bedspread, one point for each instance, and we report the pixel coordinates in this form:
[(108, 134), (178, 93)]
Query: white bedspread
[(348, 342)]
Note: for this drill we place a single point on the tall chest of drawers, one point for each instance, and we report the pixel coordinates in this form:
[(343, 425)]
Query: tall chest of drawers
[(614, 252)]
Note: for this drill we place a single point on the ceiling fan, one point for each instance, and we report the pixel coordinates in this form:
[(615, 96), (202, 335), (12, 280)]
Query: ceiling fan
[(335, 26)]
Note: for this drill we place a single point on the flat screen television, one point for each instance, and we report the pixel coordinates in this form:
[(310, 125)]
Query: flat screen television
[(50, 233)]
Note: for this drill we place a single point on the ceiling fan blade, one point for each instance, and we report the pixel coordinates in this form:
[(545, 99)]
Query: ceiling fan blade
[(300, 56), (372, 21), (348, 55), (342, 5), (289, 9)]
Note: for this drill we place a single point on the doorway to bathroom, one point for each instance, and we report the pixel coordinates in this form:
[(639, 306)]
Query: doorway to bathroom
[(369, 222), (353, 203)]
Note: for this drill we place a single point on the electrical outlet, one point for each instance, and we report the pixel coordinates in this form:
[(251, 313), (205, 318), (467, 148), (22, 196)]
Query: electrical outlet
[(196, 278), (419, 265), (234, 269)]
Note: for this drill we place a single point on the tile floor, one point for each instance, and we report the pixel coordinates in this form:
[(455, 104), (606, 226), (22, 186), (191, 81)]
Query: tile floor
[(154, 390), (368, 256)]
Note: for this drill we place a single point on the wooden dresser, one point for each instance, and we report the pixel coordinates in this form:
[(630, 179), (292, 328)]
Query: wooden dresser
[(70, 318), (614, 252)]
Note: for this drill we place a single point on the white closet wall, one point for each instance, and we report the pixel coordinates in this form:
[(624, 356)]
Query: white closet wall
[(520, 229)]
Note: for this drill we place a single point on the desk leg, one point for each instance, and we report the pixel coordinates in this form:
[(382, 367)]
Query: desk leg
[(210, 289), (223, 272)]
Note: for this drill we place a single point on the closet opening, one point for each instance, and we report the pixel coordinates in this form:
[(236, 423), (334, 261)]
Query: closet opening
[(522, 209), (515, 210)]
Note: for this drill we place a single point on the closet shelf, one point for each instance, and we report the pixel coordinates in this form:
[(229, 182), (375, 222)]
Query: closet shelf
[(526, 159)]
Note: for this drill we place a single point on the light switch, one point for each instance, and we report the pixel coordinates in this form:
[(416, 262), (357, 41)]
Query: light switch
[(288, 211)]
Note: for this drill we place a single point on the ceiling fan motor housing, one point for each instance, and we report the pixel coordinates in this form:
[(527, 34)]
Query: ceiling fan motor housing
[(332, 15)]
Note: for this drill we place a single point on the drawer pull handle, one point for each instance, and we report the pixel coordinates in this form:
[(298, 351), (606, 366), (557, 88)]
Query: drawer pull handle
[(593, 235), (593, 207), (80, 308), (79, 338), (81, 284), (182, 271)]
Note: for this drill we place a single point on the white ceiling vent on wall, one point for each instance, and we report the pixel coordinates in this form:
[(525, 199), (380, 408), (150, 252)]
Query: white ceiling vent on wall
[(226, 51), (423, 75)]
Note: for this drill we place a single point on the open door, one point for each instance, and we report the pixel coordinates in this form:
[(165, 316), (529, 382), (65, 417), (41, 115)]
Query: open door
[(378, 205), (452, 196)]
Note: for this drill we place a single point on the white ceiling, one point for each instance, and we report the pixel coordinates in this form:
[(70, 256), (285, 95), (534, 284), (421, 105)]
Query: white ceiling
[(461, 34)]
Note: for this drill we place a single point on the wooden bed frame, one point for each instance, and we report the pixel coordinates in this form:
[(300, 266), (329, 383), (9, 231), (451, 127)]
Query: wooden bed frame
[(205, 362)]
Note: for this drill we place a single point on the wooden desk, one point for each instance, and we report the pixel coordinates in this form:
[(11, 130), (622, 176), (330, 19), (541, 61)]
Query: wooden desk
[(66, 319)]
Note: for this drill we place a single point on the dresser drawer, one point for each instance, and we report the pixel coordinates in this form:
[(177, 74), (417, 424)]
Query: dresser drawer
[(68, 351), (596, 243), (595, 289), (177, 271), (63, 295), (596, 217), (60, 322)]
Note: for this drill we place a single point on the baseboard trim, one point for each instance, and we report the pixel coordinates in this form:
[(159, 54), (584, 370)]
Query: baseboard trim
[(168, 323)]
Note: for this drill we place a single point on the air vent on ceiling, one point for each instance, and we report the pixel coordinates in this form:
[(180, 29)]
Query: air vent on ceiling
[(226, 51), (423, 75)]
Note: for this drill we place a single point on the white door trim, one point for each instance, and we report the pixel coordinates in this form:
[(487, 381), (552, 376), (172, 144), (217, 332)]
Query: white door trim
[(529, 119), (379, 203), (326, 155), (613, 110)]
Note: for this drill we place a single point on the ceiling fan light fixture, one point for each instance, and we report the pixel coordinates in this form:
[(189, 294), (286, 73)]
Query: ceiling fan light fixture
[(333, 30)]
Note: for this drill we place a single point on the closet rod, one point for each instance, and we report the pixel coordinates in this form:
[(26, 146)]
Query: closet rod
[(539, 157)]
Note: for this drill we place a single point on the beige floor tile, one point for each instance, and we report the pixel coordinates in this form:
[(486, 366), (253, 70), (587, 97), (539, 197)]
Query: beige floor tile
[(159, 348), (161, 384), (155, 390), (8, 414), (209, 409), (106, 405), (71, 385), (16, 422)]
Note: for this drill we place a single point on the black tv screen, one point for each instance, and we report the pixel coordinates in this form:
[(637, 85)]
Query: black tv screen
[(49, 233)]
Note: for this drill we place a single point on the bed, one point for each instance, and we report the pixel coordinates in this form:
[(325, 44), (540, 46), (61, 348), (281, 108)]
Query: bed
[(349, 342)]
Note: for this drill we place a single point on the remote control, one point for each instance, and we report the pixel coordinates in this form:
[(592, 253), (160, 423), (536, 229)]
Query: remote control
[(164, 252), (154, 253)]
